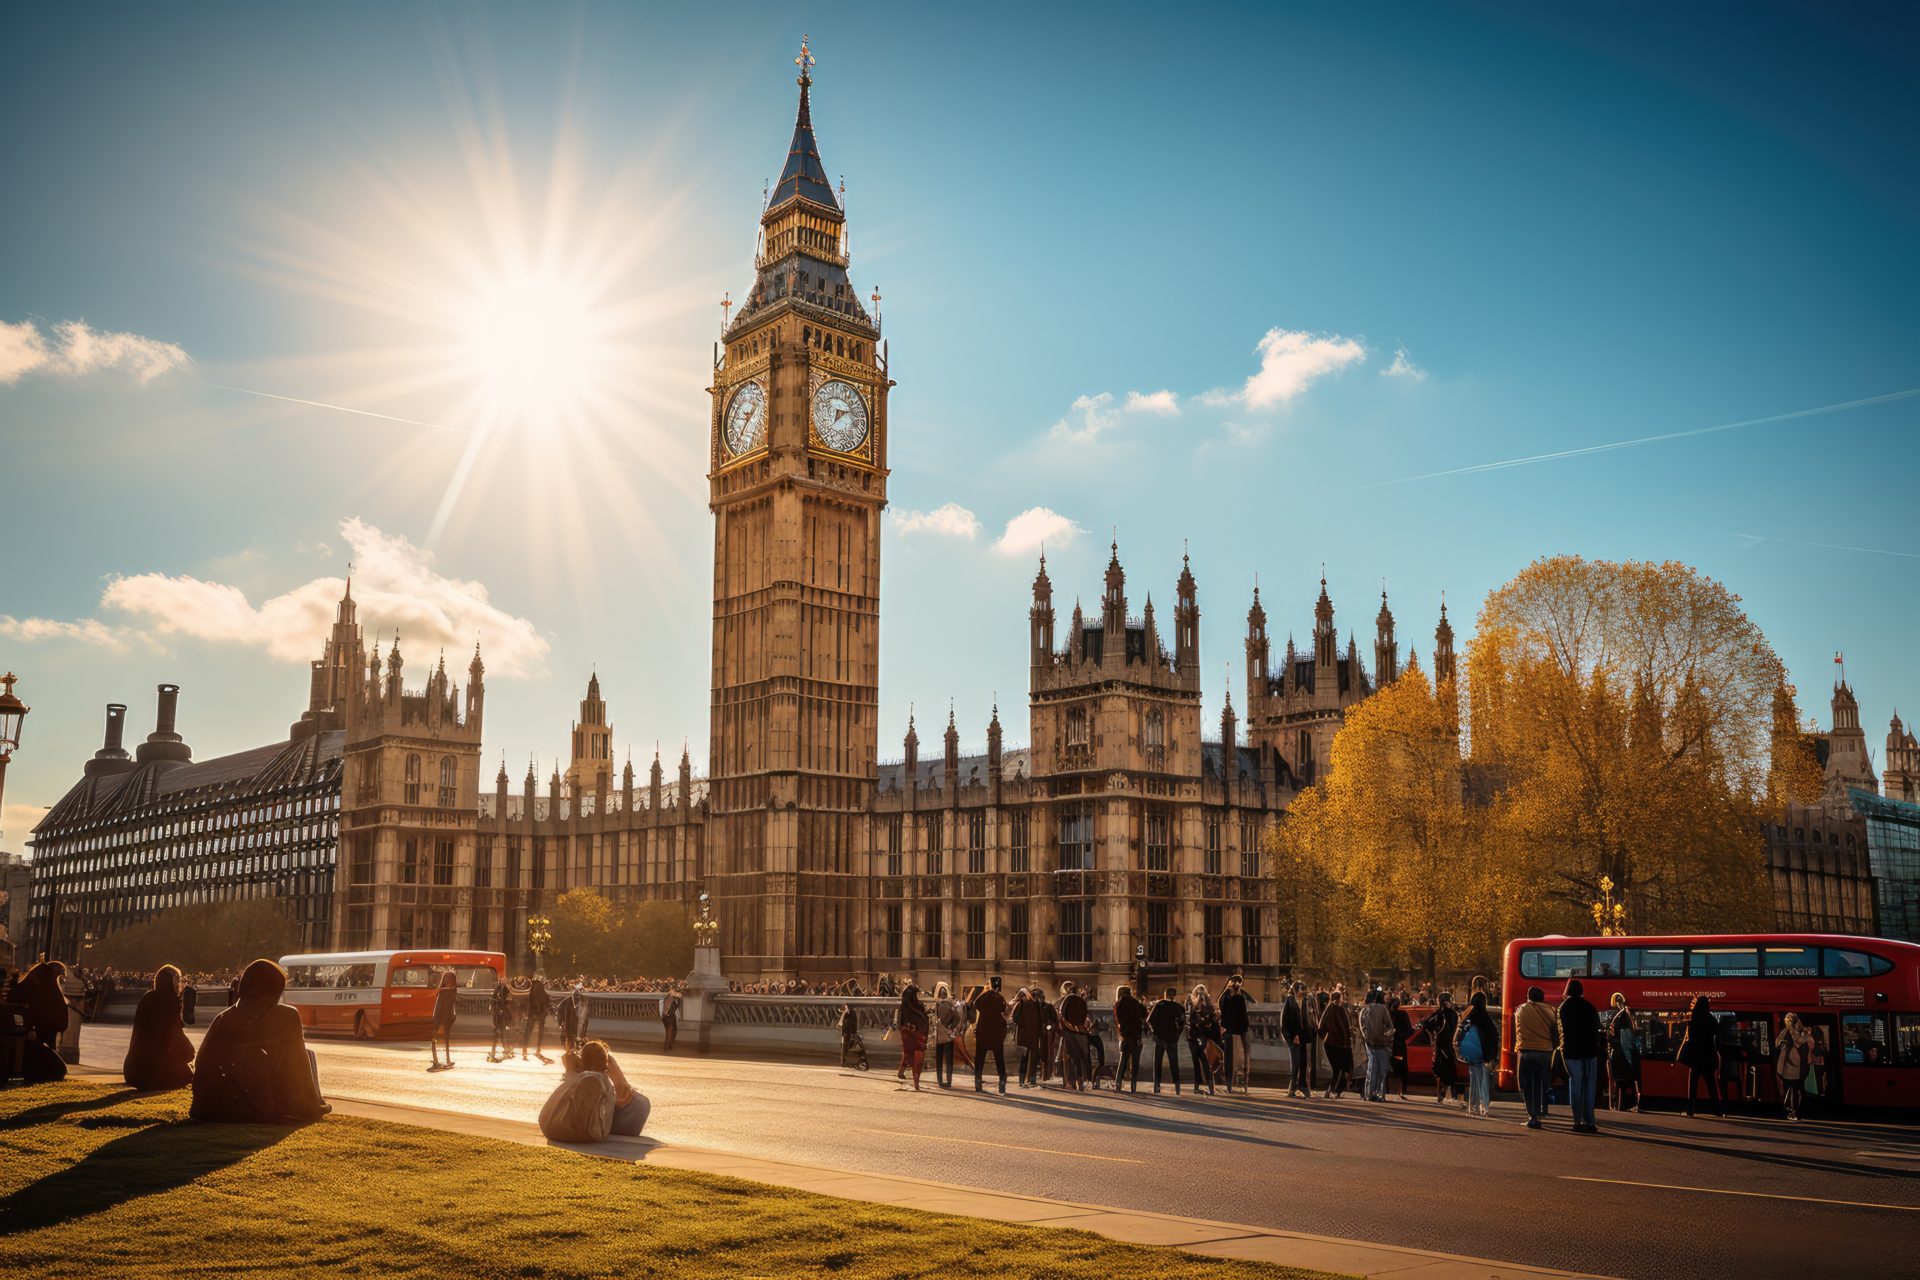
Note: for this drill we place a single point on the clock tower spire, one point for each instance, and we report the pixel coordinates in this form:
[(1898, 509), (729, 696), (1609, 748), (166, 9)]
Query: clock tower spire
[(797, 486)]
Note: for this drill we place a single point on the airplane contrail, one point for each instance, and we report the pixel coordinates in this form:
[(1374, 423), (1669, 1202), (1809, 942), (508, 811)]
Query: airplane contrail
[(337, 408), (1505, 463), (1823, 546)]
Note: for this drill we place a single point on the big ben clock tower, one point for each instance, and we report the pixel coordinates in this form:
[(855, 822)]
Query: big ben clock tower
[(798, 482)]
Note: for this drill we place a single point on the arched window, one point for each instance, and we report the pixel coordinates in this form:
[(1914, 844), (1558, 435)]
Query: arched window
[(449, 774), (413, 779), (1076, 726), (1156, 729)]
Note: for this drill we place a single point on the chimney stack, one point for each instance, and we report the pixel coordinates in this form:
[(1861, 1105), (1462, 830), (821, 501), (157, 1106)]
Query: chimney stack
[(163, 745), (112, 757)]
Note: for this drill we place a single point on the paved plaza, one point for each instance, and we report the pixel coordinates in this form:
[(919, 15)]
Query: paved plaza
[(1653, 1196)]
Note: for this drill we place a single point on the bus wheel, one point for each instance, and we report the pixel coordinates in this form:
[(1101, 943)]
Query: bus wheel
[(360, 1029)]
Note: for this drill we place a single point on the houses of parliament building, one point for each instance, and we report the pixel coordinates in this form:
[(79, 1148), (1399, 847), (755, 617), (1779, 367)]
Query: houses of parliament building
[(1126, 823)]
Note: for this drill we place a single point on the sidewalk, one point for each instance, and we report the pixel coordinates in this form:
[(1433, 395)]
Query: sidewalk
[(1197, 1235)]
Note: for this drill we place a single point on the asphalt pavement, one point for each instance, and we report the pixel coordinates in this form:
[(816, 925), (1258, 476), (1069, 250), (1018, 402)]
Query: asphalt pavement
[(1652, 1197)]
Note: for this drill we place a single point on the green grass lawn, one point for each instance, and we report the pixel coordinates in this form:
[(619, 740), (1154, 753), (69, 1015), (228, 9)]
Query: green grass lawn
[(97, 1181)]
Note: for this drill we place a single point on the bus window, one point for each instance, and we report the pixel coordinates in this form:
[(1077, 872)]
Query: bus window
[(1853, 964), (1723, 962), (1606, 964), (300, 975), (1863, 1040), (358, 975), (1906, 1039), (1791, 962), (1537, 963), (413, 975), (1655, 962)]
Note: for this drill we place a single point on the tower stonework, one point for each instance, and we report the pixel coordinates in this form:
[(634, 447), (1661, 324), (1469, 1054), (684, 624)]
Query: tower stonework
[(797, 487), (590, 767)]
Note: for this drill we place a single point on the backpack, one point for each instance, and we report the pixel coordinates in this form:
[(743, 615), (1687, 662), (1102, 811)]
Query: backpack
[(1470, 1050), (580, 1110)]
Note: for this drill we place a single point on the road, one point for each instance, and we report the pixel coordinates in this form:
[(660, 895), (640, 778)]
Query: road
[(1654, 1197)]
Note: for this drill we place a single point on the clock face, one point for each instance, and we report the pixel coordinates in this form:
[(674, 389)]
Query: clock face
[(839, 416), (746, 419)]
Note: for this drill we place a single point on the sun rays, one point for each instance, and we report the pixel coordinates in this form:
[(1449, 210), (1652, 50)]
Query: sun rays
[(522, 296)]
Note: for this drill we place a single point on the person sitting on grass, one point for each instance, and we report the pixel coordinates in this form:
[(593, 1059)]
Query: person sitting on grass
[(254, 1065), (159, 1055)]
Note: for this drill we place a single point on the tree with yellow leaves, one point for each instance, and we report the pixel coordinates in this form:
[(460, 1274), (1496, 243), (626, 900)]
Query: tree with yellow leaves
[(1390, 824), (1623, 728)]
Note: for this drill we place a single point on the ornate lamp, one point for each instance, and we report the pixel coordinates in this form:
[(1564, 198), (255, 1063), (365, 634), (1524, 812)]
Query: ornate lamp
[(13, 713), (539, 937)]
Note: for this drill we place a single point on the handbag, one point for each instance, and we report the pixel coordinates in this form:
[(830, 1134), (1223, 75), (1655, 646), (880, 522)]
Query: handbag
[(1470, 1050)]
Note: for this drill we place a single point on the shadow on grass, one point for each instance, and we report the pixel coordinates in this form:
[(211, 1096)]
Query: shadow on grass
[(49, 1112), (159, 1157)]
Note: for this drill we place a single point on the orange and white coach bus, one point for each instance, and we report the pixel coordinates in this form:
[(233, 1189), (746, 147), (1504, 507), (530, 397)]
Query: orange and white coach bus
[(386, 994)]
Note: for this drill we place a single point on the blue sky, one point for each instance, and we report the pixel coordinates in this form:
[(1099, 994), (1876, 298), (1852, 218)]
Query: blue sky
[(1580, 226)]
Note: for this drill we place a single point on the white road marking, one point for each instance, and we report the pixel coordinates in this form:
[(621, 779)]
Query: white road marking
[(1757, 1195)]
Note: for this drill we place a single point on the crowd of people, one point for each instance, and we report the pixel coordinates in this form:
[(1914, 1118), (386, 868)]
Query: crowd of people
[(253, 1063), (1335, 1043)]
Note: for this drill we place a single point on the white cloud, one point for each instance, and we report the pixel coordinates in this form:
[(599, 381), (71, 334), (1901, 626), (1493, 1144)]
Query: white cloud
[(1403, 368), (949, 521), (1293, 360), (1162, 403), (74, 349), (1034, 528), (1090, 417), (394, 583), (83, 631)]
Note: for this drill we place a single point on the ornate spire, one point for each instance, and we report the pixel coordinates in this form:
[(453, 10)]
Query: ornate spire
[(804, 177)]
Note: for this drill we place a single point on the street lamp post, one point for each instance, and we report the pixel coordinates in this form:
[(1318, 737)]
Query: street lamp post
[(539, 937), (12, 713)]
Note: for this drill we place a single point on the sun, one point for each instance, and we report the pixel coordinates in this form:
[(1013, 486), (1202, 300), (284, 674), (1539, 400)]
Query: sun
[(533, 346)]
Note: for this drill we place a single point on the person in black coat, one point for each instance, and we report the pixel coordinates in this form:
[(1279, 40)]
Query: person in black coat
[(1442, 1026), (1130, 1022), (539, 1005), (1296, 1031), (1700, 1052), (1166, 1020), (1580, 1044), (445, 1011), (189, 1003), (1235, 1023)]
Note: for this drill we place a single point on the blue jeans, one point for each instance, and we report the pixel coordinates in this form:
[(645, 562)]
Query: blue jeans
[(1536, 1073), (1583, 1077), (1479, 1085), (1379, 1066), (631, 1118)]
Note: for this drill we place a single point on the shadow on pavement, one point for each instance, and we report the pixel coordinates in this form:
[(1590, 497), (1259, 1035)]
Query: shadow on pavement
[(160, 1157)]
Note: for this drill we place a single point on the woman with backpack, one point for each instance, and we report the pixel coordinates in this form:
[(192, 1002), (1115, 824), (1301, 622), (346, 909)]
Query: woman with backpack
[(1477, 1043), (945, 1015)]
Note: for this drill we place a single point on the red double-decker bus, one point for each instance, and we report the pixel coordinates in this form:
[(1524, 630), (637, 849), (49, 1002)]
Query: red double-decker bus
[(1859, 996)]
